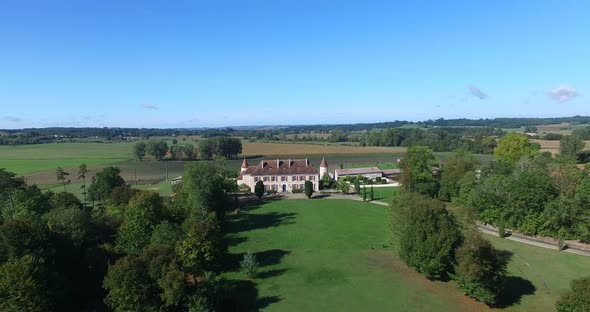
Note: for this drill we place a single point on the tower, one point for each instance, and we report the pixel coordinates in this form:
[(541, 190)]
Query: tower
[(323, 168), (244, 166)]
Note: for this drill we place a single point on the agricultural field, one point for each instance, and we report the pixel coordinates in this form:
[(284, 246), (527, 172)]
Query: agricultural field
[(335, 255), (553, 146), (384, 194), (253, 149)]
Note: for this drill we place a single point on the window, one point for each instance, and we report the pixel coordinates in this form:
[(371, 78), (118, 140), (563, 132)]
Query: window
[(302, 186), (273, 178), (265, 179), (274, 187), (294, 186), (283, 179), (311, 178), (301, 178), (294, 178), (256, 179)]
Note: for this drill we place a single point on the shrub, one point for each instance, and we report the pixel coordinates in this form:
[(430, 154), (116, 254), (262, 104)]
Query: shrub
[(249, 265), (259, 189), (502, 230), (479, 271), (426, 233), (577, 298), (308, 189), (297, 191)]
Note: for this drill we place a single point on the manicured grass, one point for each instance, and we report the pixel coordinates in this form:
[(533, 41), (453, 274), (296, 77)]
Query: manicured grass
[(164, 188), (334, 255), (382, 166), (384, 194)]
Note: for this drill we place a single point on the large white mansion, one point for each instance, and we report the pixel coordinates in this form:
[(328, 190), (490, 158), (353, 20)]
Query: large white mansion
[(282, 175)]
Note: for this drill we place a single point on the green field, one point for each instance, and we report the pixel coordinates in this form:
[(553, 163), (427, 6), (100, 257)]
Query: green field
[(27, 159), (334, 255), (382, 166), (384, 194)]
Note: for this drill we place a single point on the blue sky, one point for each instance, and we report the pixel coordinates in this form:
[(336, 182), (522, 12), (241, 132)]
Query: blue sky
[(220, 63)]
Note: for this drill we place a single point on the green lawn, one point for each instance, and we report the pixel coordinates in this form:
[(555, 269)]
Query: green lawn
[(380, 165), (384, 194), (333, 255), (26, 159)]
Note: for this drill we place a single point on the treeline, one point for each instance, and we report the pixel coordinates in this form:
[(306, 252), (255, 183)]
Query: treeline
[(124, 250), (228, 148), (523, 190), (44, 135), (476, 140)]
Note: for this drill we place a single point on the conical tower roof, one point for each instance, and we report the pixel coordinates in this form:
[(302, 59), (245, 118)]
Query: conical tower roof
[(324, 164), (244, 163)]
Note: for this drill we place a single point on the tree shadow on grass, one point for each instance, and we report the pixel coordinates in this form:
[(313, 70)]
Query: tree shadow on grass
[(242, 295), (249, 221), (271, 273), (515, 287), (231, 261)]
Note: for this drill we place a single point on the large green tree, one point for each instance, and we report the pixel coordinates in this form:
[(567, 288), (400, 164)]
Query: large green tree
[(426, 233), (140, 217), (513, 147), (480, 270), (577, 298), (23, 286), (139, 150), (417, 171), (157, 148), (62, 177), (571, 145), (453, 170), (104, 182)]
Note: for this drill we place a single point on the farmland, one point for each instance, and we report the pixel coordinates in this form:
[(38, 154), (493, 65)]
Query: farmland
[(335, 255)]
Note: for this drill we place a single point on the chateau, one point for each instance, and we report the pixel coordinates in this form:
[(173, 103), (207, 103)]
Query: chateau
[(282, 175)]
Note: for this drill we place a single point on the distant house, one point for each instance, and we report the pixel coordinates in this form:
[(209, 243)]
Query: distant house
[(282, 175), (369, 172)]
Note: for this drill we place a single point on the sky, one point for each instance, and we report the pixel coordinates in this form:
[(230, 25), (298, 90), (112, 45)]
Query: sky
[(228, 63)]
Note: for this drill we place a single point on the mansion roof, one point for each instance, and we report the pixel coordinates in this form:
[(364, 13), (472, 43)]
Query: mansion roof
[(280, 167)]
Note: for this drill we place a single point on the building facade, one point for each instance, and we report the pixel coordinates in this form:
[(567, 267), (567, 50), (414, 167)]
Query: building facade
[(281, 175)]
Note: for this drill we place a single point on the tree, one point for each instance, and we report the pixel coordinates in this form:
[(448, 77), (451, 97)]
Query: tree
[(157, 148), (372, 194), (140, 217), (82, 172), (364, 193), (259, 189), (513, 147), (62, 177), (357, 185), (23, 285), (479, 271), (577, 298), (417, 171), (571, 145), (453, 171), (426, 233), (308, 189), (249, 265), (104, 182), (139, 150), (130, 287), (202, 246), (8, 183)]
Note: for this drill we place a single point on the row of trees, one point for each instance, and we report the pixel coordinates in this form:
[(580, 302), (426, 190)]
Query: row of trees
[(525, 190), (226, 147), (431, 241), (477, 140), (128, 251), (159, 150)]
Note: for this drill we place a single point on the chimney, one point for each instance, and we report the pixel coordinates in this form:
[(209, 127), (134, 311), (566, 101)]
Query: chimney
[(278, 163), (262, 164)]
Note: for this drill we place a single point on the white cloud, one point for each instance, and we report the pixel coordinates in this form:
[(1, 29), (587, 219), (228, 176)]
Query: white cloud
[(149, 106), (563, 94), (12, 119), (475, 91)]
